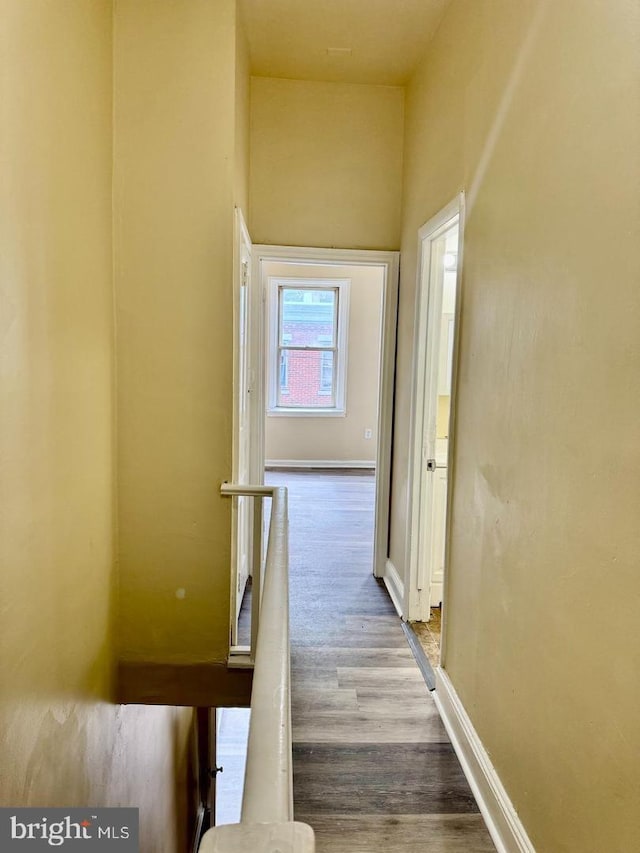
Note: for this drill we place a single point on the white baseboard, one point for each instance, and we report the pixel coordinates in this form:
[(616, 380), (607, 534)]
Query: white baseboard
[(395, 586), (319, 463), (503, 823)]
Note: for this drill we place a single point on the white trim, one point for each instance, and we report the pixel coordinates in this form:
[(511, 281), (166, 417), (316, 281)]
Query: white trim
[(453, 406), (320, 463), (390, 264), (417, 598), (395, 586), (325, 257), (500, 816), (240, 513), (299, 412), (241, 240), (256, 363), (440, 221)]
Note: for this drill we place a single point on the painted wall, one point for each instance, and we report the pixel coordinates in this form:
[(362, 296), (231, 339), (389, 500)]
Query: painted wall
[(61, 742), (442, 422), (531, 107), (338, 439), (326, 164), (176, 178), (242, 118)]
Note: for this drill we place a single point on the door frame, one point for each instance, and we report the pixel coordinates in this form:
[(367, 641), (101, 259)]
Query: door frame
[(416, 603), (390, 263), (241, 240)]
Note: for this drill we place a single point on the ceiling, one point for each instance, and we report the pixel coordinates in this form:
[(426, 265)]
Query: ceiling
[(386, 38)]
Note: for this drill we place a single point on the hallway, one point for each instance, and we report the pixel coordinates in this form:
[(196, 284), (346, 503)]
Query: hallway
[(373, 766)]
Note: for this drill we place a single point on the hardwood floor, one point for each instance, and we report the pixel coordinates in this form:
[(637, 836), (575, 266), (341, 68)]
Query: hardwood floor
[(373, 766)]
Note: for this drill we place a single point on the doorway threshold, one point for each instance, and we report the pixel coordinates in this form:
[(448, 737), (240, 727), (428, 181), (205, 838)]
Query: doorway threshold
[(421, 659)]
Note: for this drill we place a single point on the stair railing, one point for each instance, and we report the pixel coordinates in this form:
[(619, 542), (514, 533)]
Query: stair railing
[(267, 823)]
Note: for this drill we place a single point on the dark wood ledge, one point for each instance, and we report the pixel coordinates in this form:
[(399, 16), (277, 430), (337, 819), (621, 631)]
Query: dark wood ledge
[(192, 684)]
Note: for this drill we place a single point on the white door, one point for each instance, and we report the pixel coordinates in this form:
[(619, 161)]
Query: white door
[(436, 311), (435, 528), (242, 526), (437, 524)]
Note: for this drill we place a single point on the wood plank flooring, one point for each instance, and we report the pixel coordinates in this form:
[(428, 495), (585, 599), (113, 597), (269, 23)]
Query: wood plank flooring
[(373, 766)]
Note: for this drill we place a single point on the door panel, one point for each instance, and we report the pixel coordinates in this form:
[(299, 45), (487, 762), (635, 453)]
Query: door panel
[(434, 359), (438, 527), (242, 514), (244, 449)]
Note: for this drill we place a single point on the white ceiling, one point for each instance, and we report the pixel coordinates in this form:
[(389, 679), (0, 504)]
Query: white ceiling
[(290, 38)]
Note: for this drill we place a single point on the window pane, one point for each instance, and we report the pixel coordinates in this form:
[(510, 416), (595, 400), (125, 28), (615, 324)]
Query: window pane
[(309, 377), (309, 320)]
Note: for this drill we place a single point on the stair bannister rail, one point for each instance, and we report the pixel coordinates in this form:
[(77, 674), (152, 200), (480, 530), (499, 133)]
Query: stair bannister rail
[(267, 823)]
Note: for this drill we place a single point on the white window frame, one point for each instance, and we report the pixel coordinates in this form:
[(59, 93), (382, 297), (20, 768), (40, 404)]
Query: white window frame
[(340, 351)]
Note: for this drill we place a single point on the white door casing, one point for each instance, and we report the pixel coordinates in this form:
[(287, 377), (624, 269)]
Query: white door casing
[(435, 351), (243, 390)]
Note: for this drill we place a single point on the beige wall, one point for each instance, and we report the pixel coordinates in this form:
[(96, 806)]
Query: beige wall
[(328, 438), (242, 102), (175, 181), (442, 422), (61, 742), (326, 164), (532, 108)]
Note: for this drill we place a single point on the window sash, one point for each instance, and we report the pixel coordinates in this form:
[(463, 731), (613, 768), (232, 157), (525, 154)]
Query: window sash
[(282, 289), (328, 393), (331, 395), (296, 316), (304, 348)]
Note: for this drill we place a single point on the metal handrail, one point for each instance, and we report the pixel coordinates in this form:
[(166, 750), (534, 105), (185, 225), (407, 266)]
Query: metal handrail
[(267, 804)]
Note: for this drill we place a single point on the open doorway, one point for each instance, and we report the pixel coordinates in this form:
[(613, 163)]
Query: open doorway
[(437, 316), (325, 383), (323, 365)]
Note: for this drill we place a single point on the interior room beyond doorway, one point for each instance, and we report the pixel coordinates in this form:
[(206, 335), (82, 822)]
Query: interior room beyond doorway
[(323, 363)]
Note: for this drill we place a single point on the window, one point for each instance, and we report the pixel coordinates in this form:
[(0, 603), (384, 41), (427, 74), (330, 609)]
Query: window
[(307, 346)]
